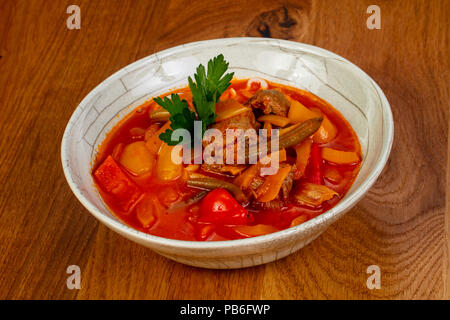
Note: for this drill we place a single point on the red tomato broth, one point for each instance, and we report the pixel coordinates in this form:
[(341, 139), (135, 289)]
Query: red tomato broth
[(182, 224)]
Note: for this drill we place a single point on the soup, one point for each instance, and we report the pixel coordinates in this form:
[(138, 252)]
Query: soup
[(314, 163)]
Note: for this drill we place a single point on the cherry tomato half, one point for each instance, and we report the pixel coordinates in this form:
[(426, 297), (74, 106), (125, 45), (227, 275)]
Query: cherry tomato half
[(219, 207)]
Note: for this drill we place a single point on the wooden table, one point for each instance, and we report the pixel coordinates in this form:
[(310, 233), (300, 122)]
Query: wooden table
[(402, 225)]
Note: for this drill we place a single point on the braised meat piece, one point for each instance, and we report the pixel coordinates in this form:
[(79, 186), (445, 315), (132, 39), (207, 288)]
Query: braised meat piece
[(229, 169), (270, 101), (283, 196), (288, 182), (242, 121)]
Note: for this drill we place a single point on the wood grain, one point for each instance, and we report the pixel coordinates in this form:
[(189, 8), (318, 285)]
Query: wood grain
[(402, 225)]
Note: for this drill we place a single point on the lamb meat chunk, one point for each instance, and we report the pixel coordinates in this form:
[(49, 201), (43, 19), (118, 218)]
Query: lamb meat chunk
[(242, 121), (232, 170), (270, 101), (283, 196), (288, 182)]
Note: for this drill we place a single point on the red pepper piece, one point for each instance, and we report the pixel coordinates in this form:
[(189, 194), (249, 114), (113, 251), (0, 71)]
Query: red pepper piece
[(116, 183), (219, 207), (316, 164)]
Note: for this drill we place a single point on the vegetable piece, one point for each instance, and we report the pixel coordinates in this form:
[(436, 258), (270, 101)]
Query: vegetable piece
[(300, 133), (287, 129), (313, 195), (117, 151), (279, 121), (192, 167), (244, 179), (137, 159), (154, 143), (166, 169), (272, 185), (268, 127), (339, 157), (299, 113), (246, 93), (160, 115), (181, 117), (212, 183), (151, 131), (208, 87), (115, 182), (332, 175), (303, 151), (148, 210), (230, 93), (254, 231), (168, 195), (219, 207), (196, 175), (326, 132), (293, 137), (282, 156), (188, 202), (204, 231), (229, 108), (316, 164), (137, 133), (257, 83), (299, 220)]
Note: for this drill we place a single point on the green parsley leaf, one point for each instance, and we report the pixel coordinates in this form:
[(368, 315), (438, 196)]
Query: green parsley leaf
[(208, 87), (206, 91), (181, 117)]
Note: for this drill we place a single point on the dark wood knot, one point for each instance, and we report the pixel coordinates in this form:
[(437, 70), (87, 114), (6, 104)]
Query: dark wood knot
[(286, 22)]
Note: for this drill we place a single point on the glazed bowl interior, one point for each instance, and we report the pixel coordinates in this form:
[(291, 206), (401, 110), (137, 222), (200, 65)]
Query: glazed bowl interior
[(352, 92)]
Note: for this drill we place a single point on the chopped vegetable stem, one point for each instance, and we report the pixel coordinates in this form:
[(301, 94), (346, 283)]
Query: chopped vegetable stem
[(212, 183)]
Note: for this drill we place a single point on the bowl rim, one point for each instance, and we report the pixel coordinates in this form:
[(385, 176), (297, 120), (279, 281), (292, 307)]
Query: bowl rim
[(118, 226)]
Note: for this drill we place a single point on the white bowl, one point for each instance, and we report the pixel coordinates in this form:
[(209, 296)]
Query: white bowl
[(329, 76)]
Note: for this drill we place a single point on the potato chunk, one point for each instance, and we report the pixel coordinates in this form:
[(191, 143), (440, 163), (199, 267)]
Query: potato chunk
[(137, 158)]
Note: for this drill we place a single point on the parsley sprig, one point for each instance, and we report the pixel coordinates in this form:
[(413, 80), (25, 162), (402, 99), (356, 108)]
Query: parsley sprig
[(181, 117), (208, 87), (206, 91)]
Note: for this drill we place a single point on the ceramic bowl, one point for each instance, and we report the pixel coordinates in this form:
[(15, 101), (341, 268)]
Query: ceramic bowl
[(329, 76)]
